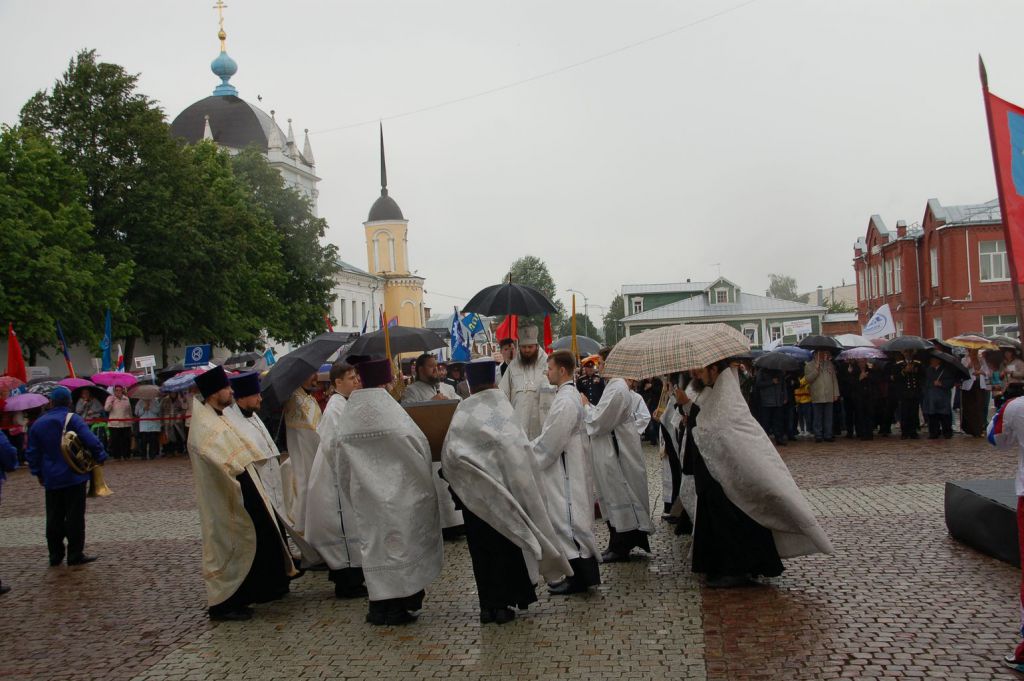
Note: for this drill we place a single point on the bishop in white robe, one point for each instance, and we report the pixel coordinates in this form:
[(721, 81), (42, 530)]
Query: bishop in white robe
[(245, 557), (561, 456), (301, 418), (525, 383), (385, 468), (620, 471), (489, 464)]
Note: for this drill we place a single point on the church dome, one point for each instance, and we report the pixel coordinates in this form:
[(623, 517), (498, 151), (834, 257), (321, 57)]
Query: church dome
[(234, 122), (385, 208)]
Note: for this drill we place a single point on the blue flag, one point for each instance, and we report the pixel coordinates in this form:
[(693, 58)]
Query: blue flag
[(460, 340), (105, 343), (269, 356), (473, 323)]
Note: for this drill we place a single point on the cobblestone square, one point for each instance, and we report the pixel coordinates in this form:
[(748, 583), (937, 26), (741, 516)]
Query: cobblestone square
[(899, 599)]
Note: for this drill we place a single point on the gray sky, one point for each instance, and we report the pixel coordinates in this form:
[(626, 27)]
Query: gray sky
[(762, 139)]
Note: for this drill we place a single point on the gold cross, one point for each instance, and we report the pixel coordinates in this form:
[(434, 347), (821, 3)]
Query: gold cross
[(220, 12)]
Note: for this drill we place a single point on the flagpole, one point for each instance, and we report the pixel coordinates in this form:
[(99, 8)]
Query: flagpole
[(1014, 286)]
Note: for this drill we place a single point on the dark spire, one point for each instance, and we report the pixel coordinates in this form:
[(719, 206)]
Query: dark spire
[(383, 165), (384, 208)]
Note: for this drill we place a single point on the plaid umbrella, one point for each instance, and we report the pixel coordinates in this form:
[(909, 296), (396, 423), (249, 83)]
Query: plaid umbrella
[(972, 342), (674, 348)]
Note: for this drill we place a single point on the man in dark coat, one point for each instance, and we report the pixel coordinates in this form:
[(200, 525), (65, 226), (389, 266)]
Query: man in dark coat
[(936, 398), (906, 378), (771, 389)]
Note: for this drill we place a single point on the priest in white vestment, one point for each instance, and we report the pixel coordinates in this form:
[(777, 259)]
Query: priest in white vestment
[(562, 460), (330, 519), (385, 468), (245, 413), (525, 383), (750, 512), (620, 471), (301, 418), (429, 386), (245, 557), (489, 464)]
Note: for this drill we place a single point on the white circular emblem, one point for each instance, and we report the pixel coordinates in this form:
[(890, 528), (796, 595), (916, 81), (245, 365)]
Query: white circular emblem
[(197, 354)]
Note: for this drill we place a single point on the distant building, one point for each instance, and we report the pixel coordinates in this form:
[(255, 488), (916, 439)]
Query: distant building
[(356, 297), (760, 318), (945, 277)]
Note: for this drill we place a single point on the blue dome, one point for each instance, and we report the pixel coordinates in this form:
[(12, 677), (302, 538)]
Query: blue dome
[(224, 67)]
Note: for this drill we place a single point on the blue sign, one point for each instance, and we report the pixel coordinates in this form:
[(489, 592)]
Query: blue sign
[(197, 356)]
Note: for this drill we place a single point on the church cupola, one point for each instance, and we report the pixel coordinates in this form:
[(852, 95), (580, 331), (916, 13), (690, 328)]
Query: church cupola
[(223, 66)]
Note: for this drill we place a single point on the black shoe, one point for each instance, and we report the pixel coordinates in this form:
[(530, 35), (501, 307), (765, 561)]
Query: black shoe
[(54, 562), (830, 439), (82, 561), (817, 439), (486, 616), (4, 589), (237, 615), (504, 615), (352, 591), (612, 557), (728, 581), (567, 588), (914, 436), (948, 436)]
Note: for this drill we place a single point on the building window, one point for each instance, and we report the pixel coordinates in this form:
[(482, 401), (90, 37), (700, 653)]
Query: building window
[(774, 332), (376, 256), (391, 248), (354, 320), (721, 295), (874, 282), (899, 327), (993, 260), (933, 261), (937, 328), (638, 305), (861, 293), (362, 318), (341, 313), (897, 274), (992, 323), (888, 277), (750, 331)]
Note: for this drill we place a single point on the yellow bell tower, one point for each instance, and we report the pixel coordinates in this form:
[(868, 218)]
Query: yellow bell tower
[(387, 255)]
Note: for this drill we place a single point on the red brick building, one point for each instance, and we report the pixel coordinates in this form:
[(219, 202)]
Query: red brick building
[(946, 276)]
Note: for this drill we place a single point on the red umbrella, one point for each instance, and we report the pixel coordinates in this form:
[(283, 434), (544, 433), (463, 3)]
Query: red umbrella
[(114, 378), (10, 382)]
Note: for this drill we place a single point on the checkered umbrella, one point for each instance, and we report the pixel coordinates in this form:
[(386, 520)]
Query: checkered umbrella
[(674, 348)]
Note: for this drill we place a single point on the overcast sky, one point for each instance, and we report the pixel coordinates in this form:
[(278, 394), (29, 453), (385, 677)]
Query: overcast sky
[(762, 139)]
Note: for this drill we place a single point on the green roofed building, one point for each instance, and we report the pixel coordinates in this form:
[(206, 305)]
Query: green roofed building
[(760, 318)]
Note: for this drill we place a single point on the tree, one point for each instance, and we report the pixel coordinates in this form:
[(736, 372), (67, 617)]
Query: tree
[(616, 311), (784, 287), (51, 271), (532, 271), (584, 327), (834, 306)]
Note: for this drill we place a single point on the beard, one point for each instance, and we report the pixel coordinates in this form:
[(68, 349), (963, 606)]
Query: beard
[(697, 384), (528, 360), (247, 413)]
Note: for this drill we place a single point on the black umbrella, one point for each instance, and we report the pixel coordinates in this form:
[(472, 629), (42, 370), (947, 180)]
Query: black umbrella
[(243, 359), (506, 299), (403, 339), (584, 344), (778, 361), (952, 362), (817, 342), (903, 343), (293, 369)]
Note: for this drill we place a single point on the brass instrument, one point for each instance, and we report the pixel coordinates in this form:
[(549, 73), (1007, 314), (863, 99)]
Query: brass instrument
[(80, 460)]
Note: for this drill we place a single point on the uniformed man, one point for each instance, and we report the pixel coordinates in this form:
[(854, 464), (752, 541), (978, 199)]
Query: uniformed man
[(590, 383)]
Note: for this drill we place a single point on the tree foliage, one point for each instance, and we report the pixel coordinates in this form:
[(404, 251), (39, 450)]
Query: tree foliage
[(784, 287), (584, 327), (616, 311), (51, 271), (530, 270)]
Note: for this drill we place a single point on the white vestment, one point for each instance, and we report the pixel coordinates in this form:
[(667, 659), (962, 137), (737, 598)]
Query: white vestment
[(219, 454), (562, 462), (672, 419), (528, 390), (742, 459), (301, 418), (641, 414), (385, 467), (619, 467), (489, 463), (421, 391), (330, 520)]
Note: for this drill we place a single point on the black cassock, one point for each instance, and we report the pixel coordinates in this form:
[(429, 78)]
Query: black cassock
[(726, 541)]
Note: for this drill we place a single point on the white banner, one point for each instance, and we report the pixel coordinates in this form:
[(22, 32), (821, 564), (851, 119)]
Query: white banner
[(797, 327), (881, 324)]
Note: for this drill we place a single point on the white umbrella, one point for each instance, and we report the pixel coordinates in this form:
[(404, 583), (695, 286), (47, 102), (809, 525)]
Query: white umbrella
[(852, 340)]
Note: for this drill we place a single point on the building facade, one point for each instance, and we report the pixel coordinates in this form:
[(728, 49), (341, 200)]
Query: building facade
[(947, 276), (760, 318)]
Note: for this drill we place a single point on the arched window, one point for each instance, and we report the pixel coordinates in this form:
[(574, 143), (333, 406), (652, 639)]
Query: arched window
[(391, 248), (376, 256)]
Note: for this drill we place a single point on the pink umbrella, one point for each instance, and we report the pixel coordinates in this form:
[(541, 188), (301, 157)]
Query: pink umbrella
[(10, 382), (76, 383), (114, 378), (25, 401)]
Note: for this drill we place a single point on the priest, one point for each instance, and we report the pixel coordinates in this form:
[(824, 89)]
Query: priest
[(385, 468), (330, 518), (245, 557), (489, 464), (750, 513), (620, 471), (301, 418), (427, 387), (561, 456), (525, 384)]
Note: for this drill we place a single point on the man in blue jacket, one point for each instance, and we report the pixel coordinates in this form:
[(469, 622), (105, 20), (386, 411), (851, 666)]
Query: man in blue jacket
[(65, 489), (8, 462)]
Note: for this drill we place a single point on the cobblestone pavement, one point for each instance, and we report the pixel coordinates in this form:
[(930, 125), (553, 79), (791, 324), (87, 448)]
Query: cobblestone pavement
[(900, 599)]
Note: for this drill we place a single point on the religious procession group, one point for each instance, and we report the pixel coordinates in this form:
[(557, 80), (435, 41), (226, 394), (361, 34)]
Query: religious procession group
[(523, 461)]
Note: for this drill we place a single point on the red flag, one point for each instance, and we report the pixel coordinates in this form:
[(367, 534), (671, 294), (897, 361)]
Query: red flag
[(508, 328), (15, 360), (1006, 129), (330, 327), (548, 339)]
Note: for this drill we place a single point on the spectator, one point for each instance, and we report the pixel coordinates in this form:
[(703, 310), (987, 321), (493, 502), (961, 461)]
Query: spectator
[(805, 412), (771, 389), (88, 407), (820, 373), (172, 410), (119, 425), (148, 410), (936, 401), (907, 375), (974, 395)]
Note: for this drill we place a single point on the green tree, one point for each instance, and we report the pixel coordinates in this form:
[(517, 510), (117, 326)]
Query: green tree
[(834, 306), (309, 266), (616, 311), (584, 327), (784, 287), (51, 271), (532, 271)]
